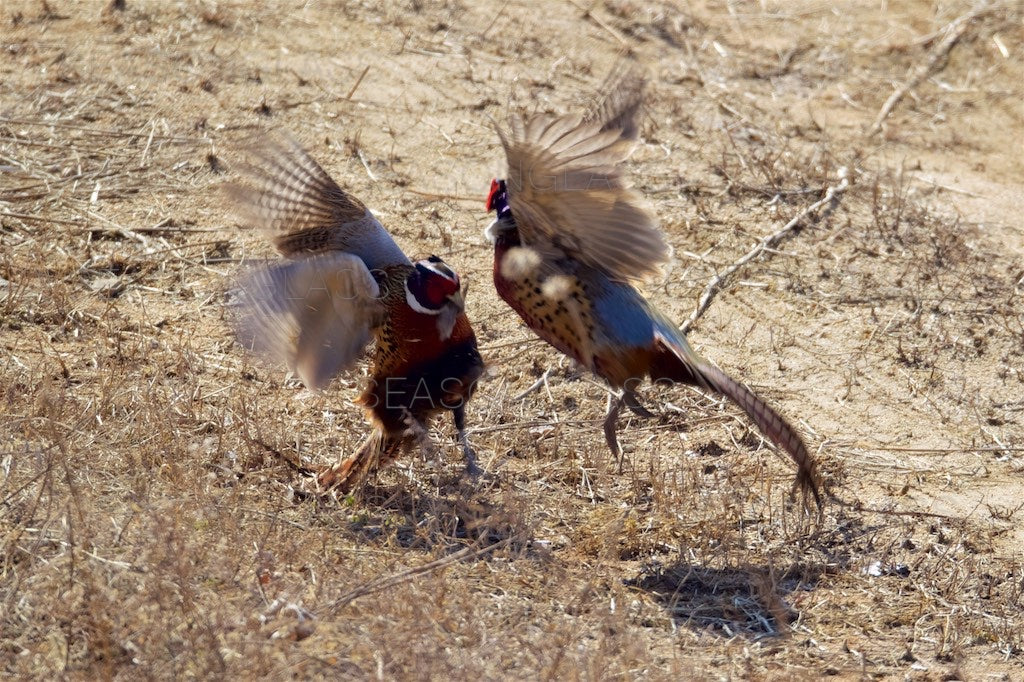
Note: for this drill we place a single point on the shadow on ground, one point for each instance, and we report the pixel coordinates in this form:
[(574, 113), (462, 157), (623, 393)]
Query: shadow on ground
[(755, 600)]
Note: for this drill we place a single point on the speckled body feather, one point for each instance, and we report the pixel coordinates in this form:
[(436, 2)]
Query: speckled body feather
[(413, 373)]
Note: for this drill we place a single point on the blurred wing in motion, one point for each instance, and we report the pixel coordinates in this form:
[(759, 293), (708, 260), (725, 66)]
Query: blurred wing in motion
[(314, 314), (570, 200), (287, 193), (618, 104)]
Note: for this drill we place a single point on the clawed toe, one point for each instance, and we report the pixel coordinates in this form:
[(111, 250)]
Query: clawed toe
[(633, 403), (473, 469)]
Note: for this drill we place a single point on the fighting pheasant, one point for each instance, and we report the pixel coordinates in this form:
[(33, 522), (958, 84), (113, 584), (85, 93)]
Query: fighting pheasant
[(572, 241), (343, 282)]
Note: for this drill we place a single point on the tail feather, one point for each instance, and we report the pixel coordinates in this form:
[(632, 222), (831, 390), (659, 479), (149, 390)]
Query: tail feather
[(772, 425), (675, 360), (349, 473)]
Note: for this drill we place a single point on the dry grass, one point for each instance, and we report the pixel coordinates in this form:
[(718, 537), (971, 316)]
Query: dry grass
[(144, 531)]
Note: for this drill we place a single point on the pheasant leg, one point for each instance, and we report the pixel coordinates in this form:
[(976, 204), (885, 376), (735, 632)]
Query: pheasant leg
[(472, 467), (615, 404)]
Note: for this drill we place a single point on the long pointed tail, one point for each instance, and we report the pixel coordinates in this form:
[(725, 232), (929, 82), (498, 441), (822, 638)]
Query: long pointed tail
[(349, 473), (678, 362)]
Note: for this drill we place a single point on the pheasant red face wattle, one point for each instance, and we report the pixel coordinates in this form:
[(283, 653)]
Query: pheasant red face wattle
[(433, 285)]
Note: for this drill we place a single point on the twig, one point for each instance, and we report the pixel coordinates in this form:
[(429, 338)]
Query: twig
[(528, 425), (945, 451), (859, 506), (97, 131), (533, 387), (38, 219), (359, 153), (717, 282), (588, 14), (453, 197), (166, 225), (498, 15), (954, 30), (149, 143), (123, 231), (275, 515), (296, 465), (509, 344), (924, 180), (194, 245), (384, 583), (358, 81)]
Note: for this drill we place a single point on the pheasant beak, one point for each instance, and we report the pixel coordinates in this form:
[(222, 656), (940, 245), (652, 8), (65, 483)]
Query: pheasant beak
[(458, 299)]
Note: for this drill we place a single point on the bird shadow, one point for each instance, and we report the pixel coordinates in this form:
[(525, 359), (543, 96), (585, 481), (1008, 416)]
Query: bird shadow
[(445, 509), (754, 599), (453, 512), (751, 601)]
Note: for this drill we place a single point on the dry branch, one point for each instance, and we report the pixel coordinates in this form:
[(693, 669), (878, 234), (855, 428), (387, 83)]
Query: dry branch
[(534, 386), (589, 14), (358, 81), (717, 283), (953, 30), (446, 196), (465, 554)]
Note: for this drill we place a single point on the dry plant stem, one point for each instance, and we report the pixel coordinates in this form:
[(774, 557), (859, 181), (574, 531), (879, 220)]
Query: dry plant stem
[(384, 583), (859, 506), (38, 219), (953, 30), (97, 131), (444, 195), (290, 462), (358, 81), (537, 384), (589, 14), (946, 451), (366, 165), (717, 283)]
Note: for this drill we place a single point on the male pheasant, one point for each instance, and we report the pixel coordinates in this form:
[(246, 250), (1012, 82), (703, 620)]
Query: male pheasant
[(345, 281), (571, 242)]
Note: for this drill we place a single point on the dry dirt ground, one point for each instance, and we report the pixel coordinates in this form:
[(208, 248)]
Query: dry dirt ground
[(145, 533)]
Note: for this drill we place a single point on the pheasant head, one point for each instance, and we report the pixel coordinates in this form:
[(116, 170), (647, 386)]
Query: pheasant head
[(434, 289), (497, 201)]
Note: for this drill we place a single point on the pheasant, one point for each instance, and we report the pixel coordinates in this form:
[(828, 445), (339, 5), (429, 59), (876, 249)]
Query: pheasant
[(343, 282), (571, 244)]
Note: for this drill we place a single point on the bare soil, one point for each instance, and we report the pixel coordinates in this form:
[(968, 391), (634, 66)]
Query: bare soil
[(146, 532)]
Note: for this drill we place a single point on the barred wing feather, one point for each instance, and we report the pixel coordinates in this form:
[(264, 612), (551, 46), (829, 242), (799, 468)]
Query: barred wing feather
[(570, 200), (286, 192)]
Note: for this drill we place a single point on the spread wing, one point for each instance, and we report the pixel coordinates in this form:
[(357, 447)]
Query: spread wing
[(567, 192), (315, 313), (286, 192), (619, 101)]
